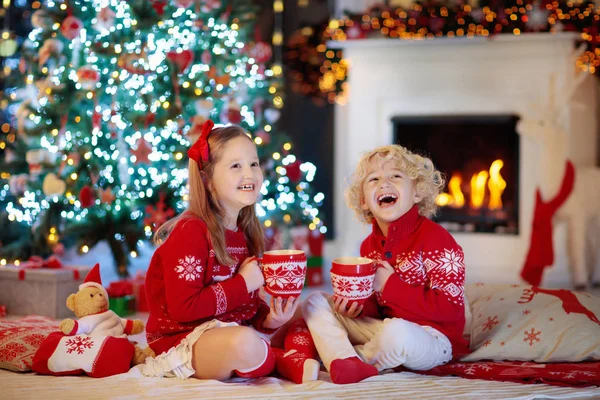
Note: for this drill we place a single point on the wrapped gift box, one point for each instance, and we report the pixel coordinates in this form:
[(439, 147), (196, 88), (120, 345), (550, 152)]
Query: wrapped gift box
[(122, 306), (39, 291), (139, 291), (120, 297)]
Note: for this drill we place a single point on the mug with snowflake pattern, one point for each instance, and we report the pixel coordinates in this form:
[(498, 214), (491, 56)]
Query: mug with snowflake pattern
[(352, 278), (284, 272)]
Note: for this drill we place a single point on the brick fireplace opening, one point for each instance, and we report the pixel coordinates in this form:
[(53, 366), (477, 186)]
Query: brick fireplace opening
[(479, 157)]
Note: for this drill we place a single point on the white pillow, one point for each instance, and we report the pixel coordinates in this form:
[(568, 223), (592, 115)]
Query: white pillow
[(526, 323)]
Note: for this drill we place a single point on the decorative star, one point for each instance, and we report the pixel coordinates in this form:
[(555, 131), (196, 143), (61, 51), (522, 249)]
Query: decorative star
[(142, 151)]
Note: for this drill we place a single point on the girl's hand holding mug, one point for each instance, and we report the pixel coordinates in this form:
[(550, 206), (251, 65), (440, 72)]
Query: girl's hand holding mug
[(282, 310), (252, 274)]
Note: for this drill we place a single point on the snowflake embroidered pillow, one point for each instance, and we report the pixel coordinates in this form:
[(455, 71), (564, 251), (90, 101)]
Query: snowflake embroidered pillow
[(21, 338), (529, 323)]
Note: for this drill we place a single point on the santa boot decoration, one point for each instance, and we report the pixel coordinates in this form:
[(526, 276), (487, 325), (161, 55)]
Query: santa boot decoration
[(296, 367), (298, 361)]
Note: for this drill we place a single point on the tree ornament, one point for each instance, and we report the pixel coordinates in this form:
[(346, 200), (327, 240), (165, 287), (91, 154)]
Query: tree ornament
[(159, 6), (134, 63), (209, 5), (36, 158), (53, 185), (159, 214), (51, 47), (107, 196), (261, 52), (105, 19), (88, 77), (96, 120), (293, 171), (196, 129), (204, 107), (184, 3), (86, 197), (71, 27), (219, 79), (18, 184), (181, 59), (142, 151), (264, 136), (231, 113), (206, 57), (41, 19)]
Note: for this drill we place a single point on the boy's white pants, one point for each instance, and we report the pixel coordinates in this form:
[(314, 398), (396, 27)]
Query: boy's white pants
[(384, 343)]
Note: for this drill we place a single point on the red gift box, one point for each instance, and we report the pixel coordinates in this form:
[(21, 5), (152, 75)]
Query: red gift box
[(2, 310), (315, 243), (120, 289), (139, 290)]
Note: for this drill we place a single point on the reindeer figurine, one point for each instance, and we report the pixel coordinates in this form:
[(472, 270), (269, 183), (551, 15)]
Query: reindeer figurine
[(580, 207)]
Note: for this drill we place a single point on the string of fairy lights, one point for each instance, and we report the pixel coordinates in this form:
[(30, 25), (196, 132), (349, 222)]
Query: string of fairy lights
[(430, 20)]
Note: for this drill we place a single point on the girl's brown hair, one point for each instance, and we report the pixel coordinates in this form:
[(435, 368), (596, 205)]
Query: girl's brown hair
[(204, 204)]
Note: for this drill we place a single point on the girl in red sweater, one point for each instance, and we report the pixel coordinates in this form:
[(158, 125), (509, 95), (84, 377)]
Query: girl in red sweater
[(204, 275), (416, 316)]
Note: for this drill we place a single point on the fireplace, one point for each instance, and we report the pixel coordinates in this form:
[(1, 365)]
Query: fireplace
[(479, 157), (474, 90)]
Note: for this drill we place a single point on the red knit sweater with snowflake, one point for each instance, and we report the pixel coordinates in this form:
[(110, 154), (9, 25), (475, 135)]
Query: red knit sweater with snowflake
[(186, 286), (428, 286)]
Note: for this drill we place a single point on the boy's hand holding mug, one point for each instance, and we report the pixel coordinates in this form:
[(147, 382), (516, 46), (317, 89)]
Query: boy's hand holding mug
[(382, 274)]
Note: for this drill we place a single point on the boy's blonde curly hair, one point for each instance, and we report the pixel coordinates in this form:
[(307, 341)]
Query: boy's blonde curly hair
[(429, 181)]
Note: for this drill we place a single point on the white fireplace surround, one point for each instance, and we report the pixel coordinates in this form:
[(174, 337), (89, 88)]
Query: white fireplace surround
[(502, 75)]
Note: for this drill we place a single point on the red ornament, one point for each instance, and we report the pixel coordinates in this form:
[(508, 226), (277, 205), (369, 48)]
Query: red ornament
[(315, 243), (96, 120), (261, 52), (88, 77), (86, 197), (71, 27), (159, 6), (266, 138), (234, 116), (142, 151), (293, 171), (182, 59), (58, 249), (184, 3), (159, 214), (206, 57)]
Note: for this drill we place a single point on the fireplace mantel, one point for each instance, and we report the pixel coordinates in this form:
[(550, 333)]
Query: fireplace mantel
[(501, 75), (523, 39)]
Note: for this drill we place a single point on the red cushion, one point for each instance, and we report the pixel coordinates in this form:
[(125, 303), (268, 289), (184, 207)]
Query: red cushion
[(21, 338)]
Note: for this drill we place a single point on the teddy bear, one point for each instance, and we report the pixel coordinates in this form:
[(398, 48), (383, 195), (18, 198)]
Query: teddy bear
[(90, 306)]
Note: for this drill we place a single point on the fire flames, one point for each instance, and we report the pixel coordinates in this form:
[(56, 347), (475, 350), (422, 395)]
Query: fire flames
[(495, 185)]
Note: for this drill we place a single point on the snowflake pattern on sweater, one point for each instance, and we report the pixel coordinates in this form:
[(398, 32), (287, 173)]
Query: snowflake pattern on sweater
[(186, 286), (428, 286)]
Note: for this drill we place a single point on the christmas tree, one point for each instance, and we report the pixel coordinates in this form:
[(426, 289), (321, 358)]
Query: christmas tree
[(108, 96)]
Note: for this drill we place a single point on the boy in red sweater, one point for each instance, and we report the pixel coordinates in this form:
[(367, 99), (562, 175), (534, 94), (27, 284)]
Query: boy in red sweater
[(416, 316)]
